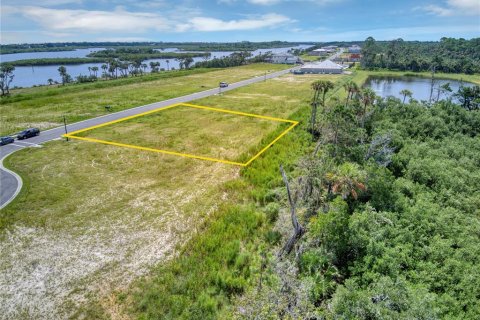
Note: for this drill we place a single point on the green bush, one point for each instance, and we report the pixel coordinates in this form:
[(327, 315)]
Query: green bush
[(271, 210)]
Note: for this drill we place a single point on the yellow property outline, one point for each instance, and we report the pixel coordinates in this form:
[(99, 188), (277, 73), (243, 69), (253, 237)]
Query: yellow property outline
[(187, 155)]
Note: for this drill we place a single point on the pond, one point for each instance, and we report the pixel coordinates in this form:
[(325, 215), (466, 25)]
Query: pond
[(38, 75), (420, 87)]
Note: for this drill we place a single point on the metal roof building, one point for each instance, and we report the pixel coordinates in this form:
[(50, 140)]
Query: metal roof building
[(319, 52), (355, 49), (284, 58), (326, 66)]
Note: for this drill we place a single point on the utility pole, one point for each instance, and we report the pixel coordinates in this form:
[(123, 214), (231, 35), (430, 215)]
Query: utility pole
[(65, 126), (265, 79)]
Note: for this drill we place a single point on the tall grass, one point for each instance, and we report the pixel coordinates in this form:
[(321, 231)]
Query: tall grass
[(223, 259)]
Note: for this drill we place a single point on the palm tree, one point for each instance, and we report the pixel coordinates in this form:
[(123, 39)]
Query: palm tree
[(348, 179), (406, 93), (351, 88), (50, 81), (154, 66), (367, 97), (144, 67), (319, 87), (63, 73), (104, 68), (168, 64), (187, 62), (95, 69)]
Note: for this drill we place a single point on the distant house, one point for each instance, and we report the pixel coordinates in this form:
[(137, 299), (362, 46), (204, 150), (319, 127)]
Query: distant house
[(354, 49), (330, 48), (327, 67), (320, 52), (355, 57), (284, 58)]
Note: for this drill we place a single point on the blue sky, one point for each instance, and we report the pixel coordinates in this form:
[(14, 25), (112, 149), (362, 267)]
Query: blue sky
[(235, 20)]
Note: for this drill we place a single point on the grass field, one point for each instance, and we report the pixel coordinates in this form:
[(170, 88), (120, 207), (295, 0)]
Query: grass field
[(188, 130), (45, 107), (307, 57), (91, 218)]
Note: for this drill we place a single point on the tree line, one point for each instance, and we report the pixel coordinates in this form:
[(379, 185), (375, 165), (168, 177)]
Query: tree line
[(141, 53), (194, 46), (106, 56), (449, 55)]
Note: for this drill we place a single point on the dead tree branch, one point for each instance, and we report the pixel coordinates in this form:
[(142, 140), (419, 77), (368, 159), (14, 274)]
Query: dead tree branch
[(298, 230)]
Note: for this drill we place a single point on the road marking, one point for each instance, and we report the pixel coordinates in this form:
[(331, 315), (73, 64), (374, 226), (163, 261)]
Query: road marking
[(17, 145), (30, 144)]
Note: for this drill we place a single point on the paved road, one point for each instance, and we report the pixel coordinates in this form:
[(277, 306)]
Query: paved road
[(11, 183)]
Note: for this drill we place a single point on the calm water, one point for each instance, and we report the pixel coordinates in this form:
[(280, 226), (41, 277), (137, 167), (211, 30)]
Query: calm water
[(78, 53), (420, 87), (38, 75)]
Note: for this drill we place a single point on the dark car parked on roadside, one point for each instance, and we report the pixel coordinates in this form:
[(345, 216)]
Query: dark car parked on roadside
[(6, 140), (28, 133), (223, 84)]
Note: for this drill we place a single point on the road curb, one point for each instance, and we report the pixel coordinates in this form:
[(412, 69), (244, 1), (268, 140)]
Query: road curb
[(16, 176)]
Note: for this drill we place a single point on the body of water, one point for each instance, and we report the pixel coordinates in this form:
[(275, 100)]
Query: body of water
[(39, 75), (420, 87), (78, 53)]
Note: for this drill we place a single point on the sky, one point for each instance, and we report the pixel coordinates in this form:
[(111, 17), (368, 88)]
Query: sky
[(34, 21)]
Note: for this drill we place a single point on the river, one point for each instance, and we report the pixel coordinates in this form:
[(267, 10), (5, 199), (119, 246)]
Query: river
[(38, 75)]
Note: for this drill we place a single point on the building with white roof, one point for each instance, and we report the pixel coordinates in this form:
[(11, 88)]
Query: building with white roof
[(327, 67), (285, 58), (320, 52), (354, 49)]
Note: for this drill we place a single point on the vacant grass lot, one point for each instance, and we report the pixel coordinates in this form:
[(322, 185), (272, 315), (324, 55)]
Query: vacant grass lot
[(189, 130), (91, 218), (45, 107)]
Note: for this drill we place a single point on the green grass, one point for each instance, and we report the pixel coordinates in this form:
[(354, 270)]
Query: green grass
[(308, 57), (45, 107), (193, 131), (224, 259), (133, 208)]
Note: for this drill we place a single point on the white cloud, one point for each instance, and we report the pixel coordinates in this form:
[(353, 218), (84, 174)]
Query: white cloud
[(453, 8), (437, 10), (212, 24), (95, 21), (122, 21), (472, 6)]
